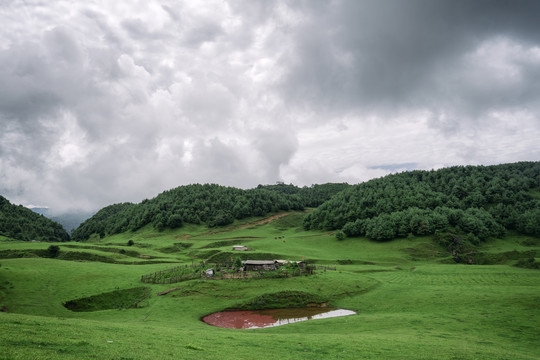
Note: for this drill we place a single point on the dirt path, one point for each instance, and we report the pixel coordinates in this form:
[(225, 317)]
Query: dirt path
[(237, 227), (167, 291), (263, 221)]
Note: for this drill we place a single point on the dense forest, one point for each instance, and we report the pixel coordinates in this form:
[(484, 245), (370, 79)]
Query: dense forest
[(20, 223), (311, 196), (208, 204), (482, 201)]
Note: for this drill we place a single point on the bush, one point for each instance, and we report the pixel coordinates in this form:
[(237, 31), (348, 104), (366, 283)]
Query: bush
[(340, 235), (528, 263), (53, 251), (130, 243)]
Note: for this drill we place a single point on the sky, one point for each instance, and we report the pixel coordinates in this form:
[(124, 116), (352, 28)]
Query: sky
[(112, 101)]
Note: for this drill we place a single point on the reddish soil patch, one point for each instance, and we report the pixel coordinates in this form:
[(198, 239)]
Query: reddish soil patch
[(253, 319), (239, 320)]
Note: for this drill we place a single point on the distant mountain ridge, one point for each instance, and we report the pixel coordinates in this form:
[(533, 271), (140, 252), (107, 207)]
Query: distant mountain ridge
[(71, 221), (39, 209)]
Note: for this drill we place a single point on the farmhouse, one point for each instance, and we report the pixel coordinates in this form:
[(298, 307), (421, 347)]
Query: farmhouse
[(240, 248), (255, 265)]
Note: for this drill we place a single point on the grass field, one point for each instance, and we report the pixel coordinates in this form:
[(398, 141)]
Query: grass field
[(409, 302)]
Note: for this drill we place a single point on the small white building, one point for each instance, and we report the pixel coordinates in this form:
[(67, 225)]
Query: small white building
[(240, 248)]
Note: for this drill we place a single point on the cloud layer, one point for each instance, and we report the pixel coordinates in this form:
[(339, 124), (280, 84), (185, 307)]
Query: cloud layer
[(104, 102)]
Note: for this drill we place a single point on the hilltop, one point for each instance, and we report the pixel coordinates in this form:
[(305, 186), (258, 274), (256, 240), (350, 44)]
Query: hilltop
[(20, 223), (484, 201), (209, 204)]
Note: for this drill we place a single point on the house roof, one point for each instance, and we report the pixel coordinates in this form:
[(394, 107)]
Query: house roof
[(258, 262)]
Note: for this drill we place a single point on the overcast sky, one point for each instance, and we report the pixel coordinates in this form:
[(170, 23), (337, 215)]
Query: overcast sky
[(111, 101)]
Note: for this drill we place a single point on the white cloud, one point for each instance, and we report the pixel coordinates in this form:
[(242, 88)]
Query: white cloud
[(104, 102)]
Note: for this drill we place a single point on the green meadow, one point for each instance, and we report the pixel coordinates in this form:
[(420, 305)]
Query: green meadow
[(411, 301)]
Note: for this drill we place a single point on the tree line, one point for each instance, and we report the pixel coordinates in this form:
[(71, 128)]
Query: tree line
[(481, 200), (310, 196)]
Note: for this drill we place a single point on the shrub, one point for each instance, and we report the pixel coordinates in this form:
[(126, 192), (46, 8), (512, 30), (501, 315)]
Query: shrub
[(528, 263), (53, 251)]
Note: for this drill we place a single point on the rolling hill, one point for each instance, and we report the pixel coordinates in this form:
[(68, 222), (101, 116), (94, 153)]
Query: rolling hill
[(20, 223), (480, 200), (209, 204)]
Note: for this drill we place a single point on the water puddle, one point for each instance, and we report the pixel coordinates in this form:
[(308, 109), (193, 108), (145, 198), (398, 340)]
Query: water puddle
[(255, 319)]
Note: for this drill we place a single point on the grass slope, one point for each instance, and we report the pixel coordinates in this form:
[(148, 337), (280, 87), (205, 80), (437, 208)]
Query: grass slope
[(410, 304)]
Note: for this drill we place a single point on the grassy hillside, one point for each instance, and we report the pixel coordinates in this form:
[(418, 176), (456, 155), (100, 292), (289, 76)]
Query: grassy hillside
[(411, 302)]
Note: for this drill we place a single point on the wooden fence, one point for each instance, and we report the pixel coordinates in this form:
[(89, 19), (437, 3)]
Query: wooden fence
[(151, 279), (322, 267), (224, 271), (160, 277)]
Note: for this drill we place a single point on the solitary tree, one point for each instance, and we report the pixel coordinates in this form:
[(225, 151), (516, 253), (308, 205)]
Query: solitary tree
[(340, 235)]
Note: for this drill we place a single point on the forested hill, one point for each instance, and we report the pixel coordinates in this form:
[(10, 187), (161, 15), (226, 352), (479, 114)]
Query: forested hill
[(18, 222), (311, 196), (479, 200), (209, 204)]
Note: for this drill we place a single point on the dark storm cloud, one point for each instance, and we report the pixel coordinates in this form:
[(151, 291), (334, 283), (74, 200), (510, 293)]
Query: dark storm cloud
[(392, 54)]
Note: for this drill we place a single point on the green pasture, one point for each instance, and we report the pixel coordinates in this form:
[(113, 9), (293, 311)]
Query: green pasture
[(410, 302)]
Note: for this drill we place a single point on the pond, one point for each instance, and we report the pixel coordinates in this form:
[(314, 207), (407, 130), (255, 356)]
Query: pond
[(255, 319)]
